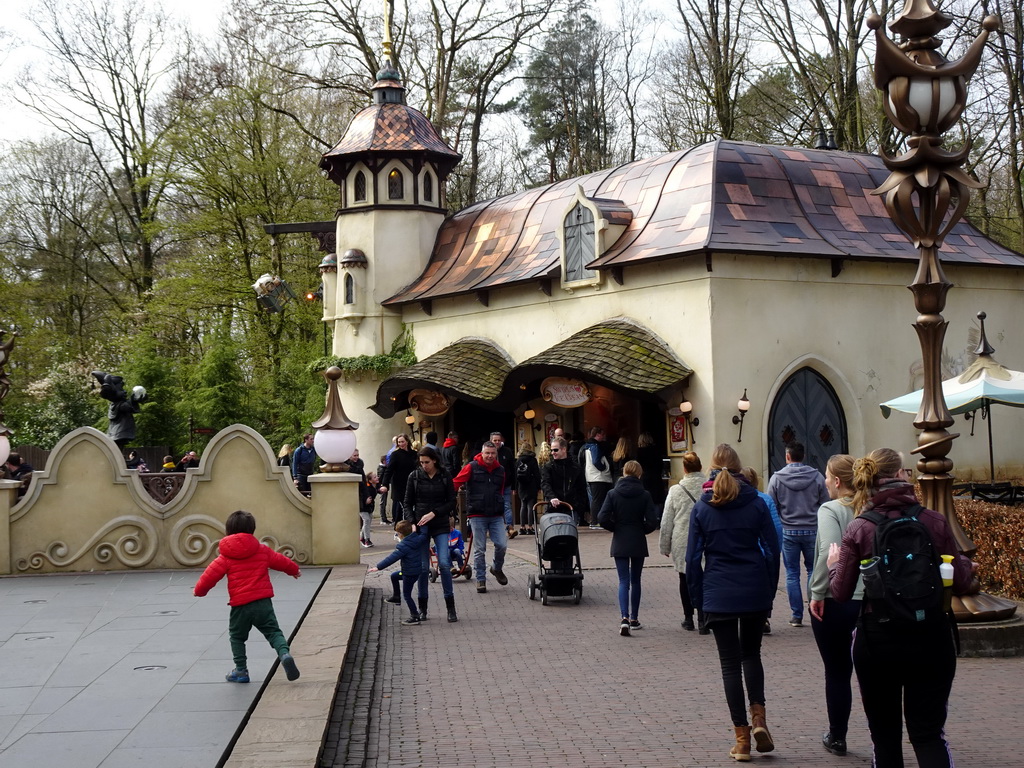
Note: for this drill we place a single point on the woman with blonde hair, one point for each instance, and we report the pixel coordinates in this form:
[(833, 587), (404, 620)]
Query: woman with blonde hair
[(284, 456), (623, 452), (833, 622), (903, 667), (628, 512), (675, 528), (732, 568)]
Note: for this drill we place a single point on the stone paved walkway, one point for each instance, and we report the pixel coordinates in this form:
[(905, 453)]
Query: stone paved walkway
[(518, 684)]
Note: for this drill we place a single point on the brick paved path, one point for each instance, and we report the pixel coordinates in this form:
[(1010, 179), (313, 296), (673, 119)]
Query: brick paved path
[(515, 683)]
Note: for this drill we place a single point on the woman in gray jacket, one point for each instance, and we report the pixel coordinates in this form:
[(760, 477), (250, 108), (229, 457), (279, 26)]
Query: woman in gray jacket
[(675, 528)]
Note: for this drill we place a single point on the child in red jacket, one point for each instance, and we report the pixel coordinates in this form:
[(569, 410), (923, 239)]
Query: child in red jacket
[(246, 563)]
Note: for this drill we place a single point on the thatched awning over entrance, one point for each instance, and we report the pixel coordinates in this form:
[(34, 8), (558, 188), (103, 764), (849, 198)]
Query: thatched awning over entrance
[(471, 369), (619, 353)]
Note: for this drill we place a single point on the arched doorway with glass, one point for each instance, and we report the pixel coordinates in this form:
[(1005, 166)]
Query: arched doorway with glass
[(806, 409)]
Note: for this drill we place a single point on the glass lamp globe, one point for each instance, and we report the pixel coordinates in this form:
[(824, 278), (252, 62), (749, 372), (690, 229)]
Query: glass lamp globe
[(5, 449), (335, 446)]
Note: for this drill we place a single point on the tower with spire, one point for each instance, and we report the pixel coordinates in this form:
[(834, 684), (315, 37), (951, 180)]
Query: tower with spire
[(391, 166)]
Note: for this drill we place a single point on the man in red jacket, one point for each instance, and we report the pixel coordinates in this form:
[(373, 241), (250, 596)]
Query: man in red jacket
[(247, 564), (484, 478)]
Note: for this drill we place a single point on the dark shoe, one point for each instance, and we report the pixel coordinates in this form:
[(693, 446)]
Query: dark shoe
[(835, 746), (238, 676), (767, 630), (449, 603), (414, 619), (396, 599), (624, 628), (702, 624), (687, 624), (635, 624), (499, 576), (290, 670), (796, 621), (423, 608), (481, 587), (511, 531)]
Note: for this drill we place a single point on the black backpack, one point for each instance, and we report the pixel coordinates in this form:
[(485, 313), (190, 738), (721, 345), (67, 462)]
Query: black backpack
[(903, 580)]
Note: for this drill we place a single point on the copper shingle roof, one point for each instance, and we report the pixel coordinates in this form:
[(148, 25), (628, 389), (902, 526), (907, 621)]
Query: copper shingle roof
[(471, 369), (721, 196), (619, 353), (390, 129)]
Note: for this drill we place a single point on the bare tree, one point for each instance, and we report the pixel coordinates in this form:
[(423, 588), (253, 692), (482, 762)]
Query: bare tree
[(823, 45), (100, 87)]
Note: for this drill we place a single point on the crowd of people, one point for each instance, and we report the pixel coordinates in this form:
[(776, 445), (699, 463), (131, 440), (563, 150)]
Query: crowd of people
[(728, 541)]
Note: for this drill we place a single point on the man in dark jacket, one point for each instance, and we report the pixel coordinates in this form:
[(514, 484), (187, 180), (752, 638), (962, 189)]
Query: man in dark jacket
[(561, 479), (507, 459), (21, 470), (798, 490), (304, 464), (484, 479), (451, 454)]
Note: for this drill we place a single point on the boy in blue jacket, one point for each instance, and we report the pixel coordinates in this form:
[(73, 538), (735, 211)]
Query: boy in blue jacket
[(410, 552)]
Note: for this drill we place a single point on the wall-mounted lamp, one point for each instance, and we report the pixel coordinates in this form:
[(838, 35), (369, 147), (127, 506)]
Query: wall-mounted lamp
[(529, 414), (409, 418), (742, 406), (686, 408)]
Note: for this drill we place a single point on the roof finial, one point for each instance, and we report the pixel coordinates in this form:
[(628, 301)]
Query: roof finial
[(388, 58), (984, 348)]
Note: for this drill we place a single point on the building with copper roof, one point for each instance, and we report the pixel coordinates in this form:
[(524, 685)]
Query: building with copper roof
[(704, 275)]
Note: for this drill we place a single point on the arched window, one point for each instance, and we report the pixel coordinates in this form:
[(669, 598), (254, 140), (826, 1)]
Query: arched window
[(579, 243), (428, 187), (360, 187), (396, 185), (350, 289)]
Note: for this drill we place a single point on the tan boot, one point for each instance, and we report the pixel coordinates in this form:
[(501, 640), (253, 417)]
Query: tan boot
[(741, 751), (762, 739)]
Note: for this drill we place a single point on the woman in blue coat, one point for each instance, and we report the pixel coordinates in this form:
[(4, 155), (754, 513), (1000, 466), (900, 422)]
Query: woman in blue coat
[(629, 513), (732, 569)]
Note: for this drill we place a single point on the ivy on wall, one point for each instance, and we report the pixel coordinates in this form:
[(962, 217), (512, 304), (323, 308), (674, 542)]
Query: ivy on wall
[(401, 354)]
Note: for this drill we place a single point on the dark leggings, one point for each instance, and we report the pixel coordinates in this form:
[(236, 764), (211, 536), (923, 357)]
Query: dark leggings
[(739, 652), (834, 636), (906, 672), (684, 596)]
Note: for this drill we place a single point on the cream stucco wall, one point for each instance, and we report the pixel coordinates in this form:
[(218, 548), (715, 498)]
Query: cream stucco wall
[(752, 322)]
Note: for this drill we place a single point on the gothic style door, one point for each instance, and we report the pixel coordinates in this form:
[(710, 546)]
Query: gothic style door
[(807, 410)]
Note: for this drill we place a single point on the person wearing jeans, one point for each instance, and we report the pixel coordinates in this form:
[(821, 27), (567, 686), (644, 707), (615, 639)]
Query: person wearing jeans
[(629, 513), (484, 479), (797, 544), (798, 490)]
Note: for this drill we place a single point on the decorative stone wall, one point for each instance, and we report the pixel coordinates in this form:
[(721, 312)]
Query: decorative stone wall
[(86, 511)]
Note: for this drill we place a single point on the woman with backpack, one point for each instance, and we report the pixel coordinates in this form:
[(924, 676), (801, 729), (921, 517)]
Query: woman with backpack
[(732, 569), (905, 664), (528, 486)]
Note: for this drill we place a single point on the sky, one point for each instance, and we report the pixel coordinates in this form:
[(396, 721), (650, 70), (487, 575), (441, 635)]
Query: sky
[(201, 15)]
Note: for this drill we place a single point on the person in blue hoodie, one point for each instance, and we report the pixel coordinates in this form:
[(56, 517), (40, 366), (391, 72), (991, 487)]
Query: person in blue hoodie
[(409, 551), (629, 513), (799, 491), (732, 570)]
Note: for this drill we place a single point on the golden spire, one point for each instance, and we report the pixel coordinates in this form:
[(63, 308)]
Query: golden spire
[(387, 33)]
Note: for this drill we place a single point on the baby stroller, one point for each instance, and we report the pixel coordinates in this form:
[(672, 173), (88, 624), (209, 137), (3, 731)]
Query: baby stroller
[(558, 543)]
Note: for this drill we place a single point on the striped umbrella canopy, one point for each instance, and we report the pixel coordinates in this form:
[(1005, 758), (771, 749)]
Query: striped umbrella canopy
[(983, 383)]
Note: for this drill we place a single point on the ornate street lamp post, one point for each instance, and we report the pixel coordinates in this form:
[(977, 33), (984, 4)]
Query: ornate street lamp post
[(5, 386), (925, 195)]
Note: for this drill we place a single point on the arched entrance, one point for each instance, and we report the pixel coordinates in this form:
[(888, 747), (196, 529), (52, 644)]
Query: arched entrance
[(806, 409)]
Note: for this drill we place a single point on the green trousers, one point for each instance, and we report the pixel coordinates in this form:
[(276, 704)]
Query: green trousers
[(259, 614)]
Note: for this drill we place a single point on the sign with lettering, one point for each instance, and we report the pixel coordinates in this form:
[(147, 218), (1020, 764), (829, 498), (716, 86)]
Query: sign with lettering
[(429, 402), (568, 393)]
